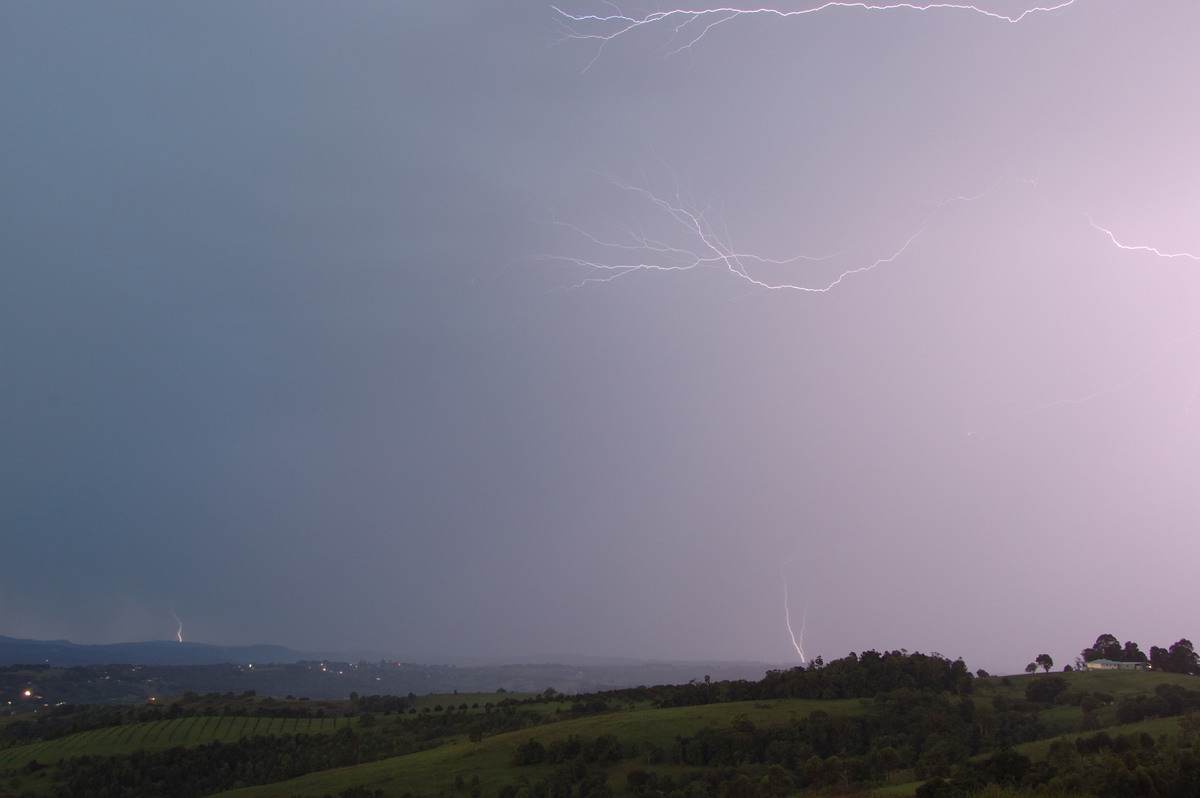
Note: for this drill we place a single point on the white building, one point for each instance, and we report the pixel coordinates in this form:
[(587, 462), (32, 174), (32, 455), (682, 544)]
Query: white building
[(1113, 665)]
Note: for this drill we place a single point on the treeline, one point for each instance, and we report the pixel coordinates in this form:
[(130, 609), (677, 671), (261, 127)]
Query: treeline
[(922, 714), (922, 717), (1180, 657), (956, 745), (853, 676), (214, 767), (66, 719), (1120, 766)]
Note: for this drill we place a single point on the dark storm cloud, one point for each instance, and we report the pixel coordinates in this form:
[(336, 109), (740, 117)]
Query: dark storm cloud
[(278, 347)]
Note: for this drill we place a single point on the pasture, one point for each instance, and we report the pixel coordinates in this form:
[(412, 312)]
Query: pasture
[(160, 734)]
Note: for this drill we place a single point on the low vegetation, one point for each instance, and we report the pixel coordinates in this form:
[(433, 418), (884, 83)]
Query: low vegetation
[(889, 724)]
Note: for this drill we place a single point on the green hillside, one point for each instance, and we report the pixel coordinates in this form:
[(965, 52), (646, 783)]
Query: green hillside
[(889, 724), (162, 734)]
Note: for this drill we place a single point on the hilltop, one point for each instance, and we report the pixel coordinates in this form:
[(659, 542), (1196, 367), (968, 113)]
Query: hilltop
[(886, 724)]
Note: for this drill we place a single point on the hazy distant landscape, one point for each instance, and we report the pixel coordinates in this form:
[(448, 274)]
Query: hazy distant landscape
[(123, 673)]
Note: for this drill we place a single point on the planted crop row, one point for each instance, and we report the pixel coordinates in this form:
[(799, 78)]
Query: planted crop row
[(163, 734)]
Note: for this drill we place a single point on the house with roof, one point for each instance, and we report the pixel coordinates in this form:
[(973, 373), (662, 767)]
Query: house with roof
[(1114, 665)]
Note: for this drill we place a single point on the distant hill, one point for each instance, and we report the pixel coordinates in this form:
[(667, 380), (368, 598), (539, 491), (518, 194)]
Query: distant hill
[(166, 668), (63, 653)]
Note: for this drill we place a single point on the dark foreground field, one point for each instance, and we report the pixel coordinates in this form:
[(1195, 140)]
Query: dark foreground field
[(891, 724)]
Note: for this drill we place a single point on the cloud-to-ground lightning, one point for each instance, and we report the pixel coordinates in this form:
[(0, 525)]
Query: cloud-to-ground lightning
[(797, 641), (687, 26), (179, 630)]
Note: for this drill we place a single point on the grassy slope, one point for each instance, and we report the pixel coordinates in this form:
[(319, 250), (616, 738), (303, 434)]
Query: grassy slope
[(1066, 719), (430, 772), (160, 734)]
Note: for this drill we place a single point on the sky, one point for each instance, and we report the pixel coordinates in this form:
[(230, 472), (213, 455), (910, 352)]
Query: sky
[(482, 329)]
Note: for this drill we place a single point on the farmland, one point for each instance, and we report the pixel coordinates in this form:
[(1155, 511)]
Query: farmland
[(880, 723)]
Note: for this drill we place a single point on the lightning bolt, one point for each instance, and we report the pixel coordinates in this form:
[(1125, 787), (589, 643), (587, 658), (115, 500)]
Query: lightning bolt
[(705, 243), (1150, 363), (1131, 248), (797, 642), (179, 631), (700, 239), (689, 26)]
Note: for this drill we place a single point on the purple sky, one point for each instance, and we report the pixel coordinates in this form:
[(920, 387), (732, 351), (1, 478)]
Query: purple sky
[(299, 335)]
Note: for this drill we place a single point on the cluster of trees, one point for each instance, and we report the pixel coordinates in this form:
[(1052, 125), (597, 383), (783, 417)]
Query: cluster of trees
[(932, 726), (67, 719), (852, 676), (1043, 661), (919, 716), (216, 767), (603, 749), (1181, 657), (922, 713), (1124, 766)]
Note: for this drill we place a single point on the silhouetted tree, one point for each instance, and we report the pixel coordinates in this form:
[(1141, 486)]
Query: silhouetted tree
[(1045, 661), (1105, 647), (1132, 653), (1181, 658)]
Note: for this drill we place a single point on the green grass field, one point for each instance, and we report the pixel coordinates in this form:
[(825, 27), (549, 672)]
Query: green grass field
[(434, 771), (431, 772), (160, 734)]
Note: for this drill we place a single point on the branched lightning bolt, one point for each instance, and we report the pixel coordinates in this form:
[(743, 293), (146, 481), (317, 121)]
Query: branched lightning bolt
[(797, 642), (689, 25), (179, 631), (708, 245)]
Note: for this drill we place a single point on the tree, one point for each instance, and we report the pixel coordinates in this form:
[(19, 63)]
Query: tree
[(1105, 647), (1045, 689), (884, 761), (1181, 658), (1007, 766), (1031, 667), (1045, 661), (1132, 653), (529, 753)]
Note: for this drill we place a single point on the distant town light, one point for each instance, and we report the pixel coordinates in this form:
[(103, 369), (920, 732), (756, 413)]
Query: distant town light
[(28, 693)]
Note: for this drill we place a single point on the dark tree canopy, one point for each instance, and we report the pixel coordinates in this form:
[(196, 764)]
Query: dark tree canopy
[(1181, 657), (1132, 653), (1105, 647)]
